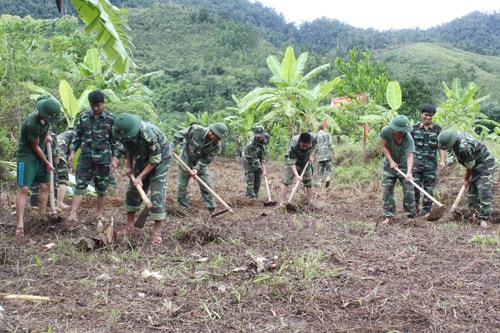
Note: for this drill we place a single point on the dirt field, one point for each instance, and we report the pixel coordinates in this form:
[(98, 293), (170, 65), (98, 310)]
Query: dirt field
[(259, 269)]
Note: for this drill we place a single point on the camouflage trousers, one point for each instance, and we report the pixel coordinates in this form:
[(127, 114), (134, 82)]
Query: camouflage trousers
[(325, 168), (425, 175), (389, 179), (84, 174), (183, 178), (156, 180), (253, 179), (480, 190)]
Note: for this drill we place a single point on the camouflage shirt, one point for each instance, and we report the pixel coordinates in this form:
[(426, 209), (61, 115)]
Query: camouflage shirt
[(149, 145), (325, 146), (426, 144), (64, 141), (298, 156), (196, 151), (32, 129), (471, 153), (254, 152), (94, 138)]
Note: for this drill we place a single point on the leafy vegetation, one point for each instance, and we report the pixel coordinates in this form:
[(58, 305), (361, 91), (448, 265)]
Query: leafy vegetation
[(206, 60)]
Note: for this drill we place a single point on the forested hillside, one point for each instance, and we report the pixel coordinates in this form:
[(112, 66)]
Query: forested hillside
[(212, 50)]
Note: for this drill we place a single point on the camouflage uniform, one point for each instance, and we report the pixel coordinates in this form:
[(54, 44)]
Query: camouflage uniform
[(474, 155), (253, 155), (324, 156), (97, 146), (239, 142), (197, 154), (149, 146), (425, 162), (399, 154), (64, 141), (299, 157)]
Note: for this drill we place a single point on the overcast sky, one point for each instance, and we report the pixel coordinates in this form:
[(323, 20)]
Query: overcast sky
[(380, 14)]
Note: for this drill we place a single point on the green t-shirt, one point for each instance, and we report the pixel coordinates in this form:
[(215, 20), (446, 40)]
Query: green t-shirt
[(32, 129), (399, 152)]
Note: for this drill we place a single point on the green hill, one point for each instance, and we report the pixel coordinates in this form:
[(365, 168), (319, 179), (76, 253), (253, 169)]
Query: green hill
[(435, 63)]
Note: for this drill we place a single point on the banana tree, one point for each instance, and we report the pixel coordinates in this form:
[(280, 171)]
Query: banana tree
[(461, 110), (291, 103), (108, 24)]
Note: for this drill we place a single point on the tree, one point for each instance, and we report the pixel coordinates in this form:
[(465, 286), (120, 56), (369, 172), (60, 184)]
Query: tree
[(461, 111), (107, 23), (291, 103)]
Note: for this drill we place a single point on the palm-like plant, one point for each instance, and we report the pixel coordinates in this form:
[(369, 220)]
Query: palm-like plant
[(108, 25), (291, 103)]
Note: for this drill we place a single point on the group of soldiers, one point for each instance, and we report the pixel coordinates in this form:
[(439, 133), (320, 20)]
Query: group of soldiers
[(410, 155), (102, 138)]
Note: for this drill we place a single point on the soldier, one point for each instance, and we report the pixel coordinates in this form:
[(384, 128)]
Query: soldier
[(200, 144), (238, 148), (425, 163), (64, 141), (324, 156), (254, 155), (480, 167), (98, 154), (32, 164), (148, 156), (55, 161), (398, 148), (302, 149)]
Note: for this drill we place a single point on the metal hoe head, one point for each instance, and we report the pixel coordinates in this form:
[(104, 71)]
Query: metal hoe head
[(436, 213)]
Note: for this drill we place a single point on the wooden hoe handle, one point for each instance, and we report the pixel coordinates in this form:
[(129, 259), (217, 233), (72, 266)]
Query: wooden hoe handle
[(202, 183), (144, 197)]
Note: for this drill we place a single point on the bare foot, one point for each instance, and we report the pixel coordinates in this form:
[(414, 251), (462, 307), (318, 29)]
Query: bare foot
[(483, 224), (20, 232), (157, 239)]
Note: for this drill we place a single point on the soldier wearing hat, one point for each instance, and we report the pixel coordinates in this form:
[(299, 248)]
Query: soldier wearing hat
[(254, 155), (480, 167), (302, 149), (398, 149), (148, 156), (199, 146), (32, 163)]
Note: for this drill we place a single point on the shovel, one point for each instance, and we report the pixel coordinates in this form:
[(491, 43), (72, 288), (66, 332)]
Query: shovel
[(228, 208), (269, 202), (53, 209), (139, 223), (457, 200), (437, 211), (289, 205)]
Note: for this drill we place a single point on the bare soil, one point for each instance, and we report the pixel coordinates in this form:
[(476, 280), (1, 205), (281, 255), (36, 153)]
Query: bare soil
[(332, 268)]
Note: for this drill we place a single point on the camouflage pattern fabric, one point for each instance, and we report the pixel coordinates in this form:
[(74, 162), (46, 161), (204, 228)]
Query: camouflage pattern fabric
[(64, 141), (239, 148), (197, 154), (97, 145), (425, 163), (253, 155), (324, 155), (399, 153), (299, 157), (474, 155), (149, 146), (389, 179), (325, 168)]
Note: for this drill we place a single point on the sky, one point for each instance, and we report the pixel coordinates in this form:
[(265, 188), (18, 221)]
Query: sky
[(380, 14)]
